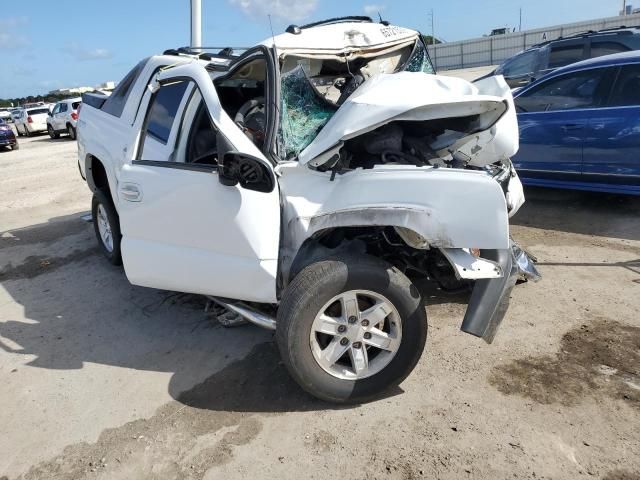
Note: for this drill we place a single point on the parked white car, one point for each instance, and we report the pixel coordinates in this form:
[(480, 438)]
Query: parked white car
[(32, 120), (5, 114), (63, 118), (304, 185)]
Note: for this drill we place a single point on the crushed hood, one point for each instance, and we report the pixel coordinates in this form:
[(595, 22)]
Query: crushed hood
[(340, 38), (409, 96)]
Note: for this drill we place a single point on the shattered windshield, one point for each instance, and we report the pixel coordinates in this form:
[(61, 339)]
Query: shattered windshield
[(303, 113), (419, 60)]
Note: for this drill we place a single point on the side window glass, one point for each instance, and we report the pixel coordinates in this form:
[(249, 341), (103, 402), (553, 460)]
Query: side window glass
[(56, 109), (574, 90), (562, 55), (114, 105), (598, 49), (163, 109), (626, 91), (63, 107), (521, 65)]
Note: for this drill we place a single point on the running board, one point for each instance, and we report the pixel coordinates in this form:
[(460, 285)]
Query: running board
[(245, 311)]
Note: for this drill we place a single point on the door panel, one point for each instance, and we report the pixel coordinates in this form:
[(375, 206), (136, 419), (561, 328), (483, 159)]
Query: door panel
[(190, 233), (551, 144), (612, 146), (183, 230)]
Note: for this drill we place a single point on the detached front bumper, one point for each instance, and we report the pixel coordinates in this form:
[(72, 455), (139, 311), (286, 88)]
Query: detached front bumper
[(490, 297)]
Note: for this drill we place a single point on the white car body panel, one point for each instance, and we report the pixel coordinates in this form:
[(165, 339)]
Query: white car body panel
[(419, 96), (191, 233), (462, 209), (188, 232), (176, 239)]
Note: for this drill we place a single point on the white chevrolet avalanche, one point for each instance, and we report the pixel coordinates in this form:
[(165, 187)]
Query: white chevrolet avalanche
[(305, 185)]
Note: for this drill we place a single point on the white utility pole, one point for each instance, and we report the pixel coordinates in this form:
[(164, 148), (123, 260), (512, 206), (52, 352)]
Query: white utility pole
[(196, 23)]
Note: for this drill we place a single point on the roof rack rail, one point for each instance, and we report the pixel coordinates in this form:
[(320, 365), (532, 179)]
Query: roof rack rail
[(295, 29), (225, 53), (592, 32)]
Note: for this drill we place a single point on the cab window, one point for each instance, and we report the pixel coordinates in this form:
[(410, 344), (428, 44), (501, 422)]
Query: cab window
[(160, 125), (575, 90), (562, 55)]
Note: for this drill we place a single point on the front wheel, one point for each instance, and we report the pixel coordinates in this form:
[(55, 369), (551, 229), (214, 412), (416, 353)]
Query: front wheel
[(106, 226), (350, 328)]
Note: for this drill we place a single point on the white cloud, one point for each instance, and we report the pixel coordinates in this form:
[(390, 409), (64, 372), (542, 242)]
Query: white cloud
[(284, 9), (10, 36), (373, 10), (82, 54)]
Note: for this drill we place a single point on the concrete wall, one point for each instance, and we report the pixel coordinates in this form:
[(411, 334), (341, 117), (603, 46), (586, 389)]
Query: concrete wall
[(494, 50)]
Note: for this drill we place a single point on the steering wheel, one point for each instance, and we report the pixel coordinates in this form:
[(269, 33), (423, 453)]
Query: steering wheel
[(248, 118)]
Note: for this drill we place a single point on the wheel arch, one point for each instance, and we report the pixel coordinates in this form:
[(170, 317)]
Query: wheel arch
[(98, 176), (304, 245)]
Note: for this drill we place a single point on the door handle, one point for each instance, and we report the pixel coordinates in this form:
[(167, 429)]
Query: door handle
[(130, 192), (572, 126)]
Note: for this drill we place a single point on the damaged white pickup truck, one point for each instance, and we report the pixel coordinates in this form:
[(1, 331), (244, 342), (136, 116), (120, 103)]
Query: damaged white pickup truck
[(304, 184)]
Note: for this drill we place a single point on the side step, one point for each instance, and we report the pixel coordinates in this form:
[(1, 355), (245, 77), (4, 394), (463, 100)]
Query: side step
[(245, 311)]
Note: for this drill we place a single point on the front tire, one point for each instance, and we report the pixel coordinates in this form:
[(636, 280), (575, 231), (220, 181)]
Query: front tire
[(350, 328), (106, 226), (15, 147)]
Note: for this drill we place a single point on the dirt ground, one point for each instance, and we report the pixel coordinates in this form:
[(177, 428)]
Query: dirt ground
[(101, 379)]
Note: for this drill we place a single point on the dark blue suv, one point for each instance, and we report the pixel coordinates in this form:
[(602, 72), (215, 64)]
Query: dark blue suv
[(7, 137), (580, 126)]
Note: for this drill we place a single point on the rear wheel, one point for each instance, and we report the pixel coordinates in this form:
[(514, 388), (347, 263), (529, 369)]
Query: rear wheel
[(71, 131), (106, 226), (350, 328), (27, 132), (52, 132)]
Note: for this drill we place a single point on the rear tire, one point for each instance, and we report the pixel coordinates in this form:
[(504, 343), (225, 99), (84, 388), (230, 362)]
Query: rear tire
[(106, 225), (26, 131), (71, 131), (52, 133), (373, 283)]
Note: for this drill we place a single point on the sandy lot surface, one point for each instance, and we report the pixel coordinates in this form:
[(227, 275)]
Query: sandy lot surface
[(101, 379)]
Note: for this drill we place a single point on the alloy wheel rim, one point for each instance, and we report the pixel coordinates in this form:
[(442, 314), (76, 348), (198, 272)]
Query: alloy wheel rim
[(104, 227), (356, 334)]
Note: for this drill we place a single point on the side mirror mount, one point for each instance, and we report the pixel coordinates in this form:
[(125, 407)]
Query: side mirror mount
[(50, 113), (248, 171)]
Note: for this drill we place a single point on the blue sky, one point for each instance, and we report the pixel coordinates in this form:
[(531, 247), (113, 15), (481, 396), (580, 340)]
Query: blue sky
[(47, 44)]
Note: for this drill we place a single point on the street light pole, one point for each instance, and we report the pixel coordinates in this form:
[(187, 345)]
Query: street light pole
[(196, 23)]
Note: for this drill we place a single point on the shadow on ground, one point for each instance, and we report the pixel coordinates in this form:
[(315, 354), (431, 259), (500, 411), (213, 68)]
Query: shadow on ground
[(588, 213), (83, 310)]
